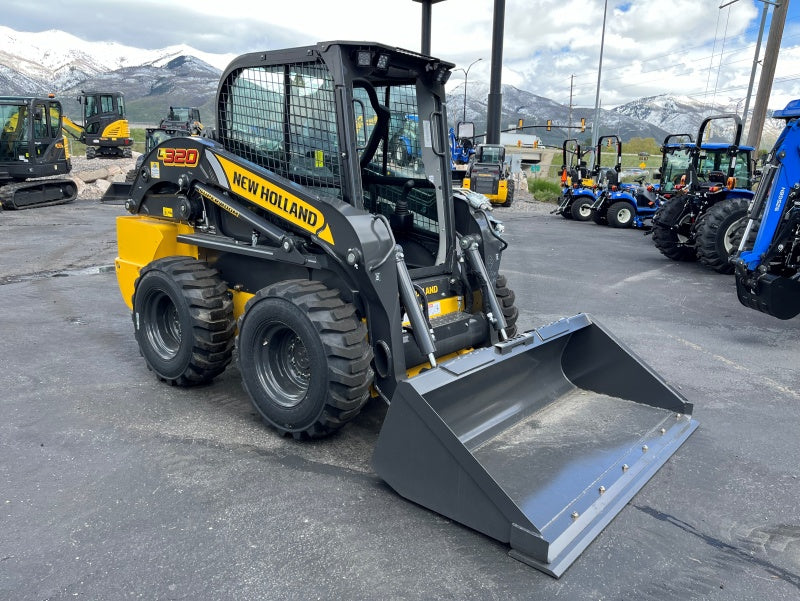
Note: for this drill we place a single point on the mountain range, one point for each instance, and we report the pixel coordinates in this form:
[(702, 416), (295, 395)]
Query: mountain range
[(152, 80)]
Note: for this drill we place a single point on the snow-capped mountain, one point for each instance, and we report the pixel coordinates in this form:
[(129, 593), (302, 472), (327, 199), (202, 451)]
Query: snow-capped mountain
[(58, 62)]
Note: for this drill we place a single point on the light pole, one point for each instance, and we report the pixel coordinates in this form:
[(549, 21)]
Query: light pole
[(466, 77)]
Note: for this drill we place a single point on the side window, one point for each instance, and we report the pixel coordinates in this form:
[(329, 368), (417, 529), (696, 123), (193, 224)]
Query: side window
[(106, 103), (39, 122), (54, 118), (284, 119)]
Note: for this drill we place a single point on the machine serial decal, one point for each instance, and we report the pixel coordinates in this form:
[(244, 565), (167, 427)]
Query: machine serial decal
[(178, 157), (219, 202), (275, 200)]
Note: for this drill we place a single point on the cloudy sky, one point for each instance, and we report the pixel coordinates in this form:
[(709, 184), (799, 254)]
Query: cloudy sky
[(689, 47)]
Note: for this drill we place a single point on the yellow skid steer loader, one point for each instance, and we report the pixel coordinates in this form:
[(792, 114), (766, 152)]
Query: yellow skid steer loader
[(341, 275)]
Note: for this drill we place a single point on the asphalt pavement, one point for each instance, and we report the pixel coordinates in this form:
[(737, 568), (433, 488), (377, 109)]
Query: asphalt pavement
[(116, 486)]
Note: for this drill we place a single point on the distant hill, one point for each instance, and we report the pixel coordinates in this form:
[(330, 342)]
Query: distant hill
[(152, 80)]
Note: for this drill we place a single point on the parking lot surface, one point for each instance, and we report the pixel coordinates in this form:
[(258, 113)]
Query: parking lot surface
[(116, 486)]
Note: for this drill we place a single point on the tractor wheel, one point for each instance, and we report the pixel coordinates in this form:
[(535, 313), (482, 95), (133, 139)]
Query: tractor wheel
[(672, 231), (400, 153), (600, 218), (620, 214), (582, 208), (304, 358), (507, 297), (183, 319), (509, 194), (719, 234)]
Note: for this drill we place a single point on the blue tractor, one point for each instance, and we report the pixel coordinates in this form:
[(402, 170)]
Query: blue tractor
[(577, 186), (767, 262), (621, 205), (462, 149), (705, 217)]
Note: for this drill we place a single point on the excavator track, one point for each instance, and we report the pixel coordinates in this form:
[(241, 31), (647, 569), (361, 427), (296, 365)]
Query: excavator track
[(38, 193)]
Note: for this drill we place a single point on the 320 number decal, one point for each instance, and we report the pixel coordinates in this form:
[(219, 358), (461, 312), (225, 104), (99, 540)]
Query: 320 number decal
[(183, 157)]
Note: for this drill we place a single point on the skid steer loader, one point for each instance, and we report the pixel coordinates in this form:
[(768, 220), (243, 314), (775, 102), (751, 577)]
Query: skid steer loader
[(293, 233), (767, 264)]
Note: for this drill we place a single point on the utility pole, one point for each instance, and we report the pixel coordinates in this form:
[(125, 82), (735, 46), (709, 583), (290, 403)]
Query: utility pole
[(426, 24), (495, 100), (596, 124), (767, 73), (569, 118)]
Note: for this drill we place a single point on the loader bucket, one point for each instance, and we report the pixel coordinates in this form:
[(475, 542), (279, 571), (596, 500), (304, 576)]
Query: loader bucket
[(117, 192), (537, 442)]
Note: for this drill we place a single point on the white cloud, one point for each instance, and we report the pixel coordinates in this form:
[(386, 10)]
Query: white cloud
[(652, 47)]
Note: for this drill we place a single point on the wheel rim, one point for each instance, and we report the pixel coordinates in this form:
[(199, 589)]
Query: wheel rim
[(733, 235), (283, 365), (585, 210), (624, 215), (684, 229), (163, 325)]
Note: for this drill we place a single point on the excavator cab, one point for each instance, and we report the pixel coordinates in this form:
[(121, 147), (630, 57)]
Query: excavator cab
[(32, 147), (105, 129)]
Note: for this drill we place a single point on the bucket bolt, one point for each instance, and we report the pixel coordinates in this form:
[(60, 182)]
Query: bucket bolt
[(625, 467), (575, 515), (601, 490)]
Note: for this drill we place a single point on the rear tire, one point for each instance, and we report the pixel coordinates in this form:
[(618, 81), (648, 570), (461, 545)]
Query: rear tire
[(719, 235), (671, 232), (620, 215), (507, 297), (304, 358), (582, 209), (183, 320), (509, 194)]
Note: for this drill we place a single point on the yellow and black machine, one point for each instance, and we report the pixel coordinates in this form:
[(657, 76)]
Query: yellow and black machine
[(340, 276), (34, 154), (105, 129), (489, 173)]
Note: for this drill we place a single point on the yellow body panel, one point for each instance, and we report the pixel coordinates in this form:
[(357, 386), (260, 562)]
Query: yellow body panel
[(117, 129), (141, 240), (502, 191)]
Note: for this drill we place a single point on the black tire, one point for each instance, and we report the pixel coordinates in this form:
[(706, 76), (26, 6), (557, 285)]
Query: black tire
[(567, 212), (581, 209), (599, 217), (183, 320), (507, 297), (293, 330), (721, 231), (672, 233), (509, 193), (620, 214)]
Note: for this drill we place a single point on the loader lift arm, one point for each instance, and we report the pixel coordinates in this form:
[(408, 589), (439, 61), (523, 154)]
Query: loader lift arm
[(767, 264)]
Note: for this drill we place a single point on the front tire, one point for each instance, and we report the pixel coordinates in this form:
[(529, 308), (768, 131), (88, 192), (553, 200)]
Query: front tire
[(304, 358), (582, 209), (719, 235), (620, 215), (183, 320), (507, 297), (509, 194), (672, 231)]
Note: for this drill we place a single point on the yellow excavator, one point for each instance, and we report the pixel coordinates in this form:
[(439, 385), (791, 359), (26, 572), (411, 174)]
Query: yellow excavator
[(104, 129), (34, 154), (341, 274)]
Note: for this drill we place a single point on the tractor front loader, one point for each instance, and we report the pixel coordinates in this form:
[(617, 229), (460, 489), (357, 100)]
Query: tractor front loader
[(340, 274), (767, 264)]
